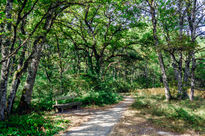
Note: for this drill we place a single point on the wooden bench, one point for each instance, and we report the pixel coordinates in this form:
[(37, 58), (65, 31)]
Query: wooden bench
[(61, 107)]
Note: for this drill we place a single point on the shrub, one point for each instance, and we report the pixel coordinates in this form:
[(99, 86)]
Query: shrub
[(101, 97)]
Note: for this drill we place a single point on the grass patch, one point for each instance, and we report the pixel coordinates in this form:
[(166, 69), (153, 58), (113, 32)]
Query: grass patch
[(176, 116), (32, 124)]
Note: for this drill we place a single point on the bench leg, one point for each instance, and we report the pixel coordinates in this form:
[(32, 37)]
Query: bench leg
[(56, 109)]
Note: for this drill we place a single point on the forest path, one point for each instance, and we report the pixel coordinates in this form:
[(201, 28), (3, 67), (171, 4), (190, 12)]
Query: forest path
[(102, 122)]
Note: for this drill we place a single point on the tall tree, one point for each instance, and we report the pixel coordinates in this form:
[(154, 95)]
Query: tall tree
[(5, 46), (152, 4), (101, 32), (196, 19)]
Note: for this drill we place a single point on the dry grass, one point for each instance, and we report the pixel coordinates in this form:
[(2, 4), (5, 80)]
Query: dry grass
[(150, 91), (132, 124), (160, 91), (152, 115)]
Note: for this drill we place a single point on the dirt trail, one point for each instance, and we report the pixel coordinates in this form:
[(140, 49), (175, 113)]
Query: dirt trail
[(101, 122)]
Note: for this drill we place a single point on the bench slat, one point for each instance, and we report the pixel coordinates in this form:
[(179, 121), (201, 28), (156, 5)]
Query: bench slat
[(68, 104)]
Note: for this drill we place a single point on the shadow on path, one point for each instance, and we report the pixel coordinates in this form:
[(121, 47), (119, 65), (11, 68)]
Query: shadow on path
[(101, 122)]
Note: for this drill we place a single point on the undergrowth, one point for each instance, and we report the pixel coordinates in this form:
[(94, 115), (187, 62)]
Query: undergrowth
[(99, 98), (38, 124), (33, 124), (92, 91)]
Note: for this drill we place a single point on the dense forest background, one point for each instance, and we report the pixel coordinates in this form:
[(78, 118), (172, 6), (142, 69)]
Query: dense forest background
[(52, 48)]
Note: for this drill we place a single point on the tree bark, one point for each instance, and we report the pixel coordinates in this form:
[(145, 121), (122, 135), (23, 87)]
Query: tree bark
[(6, 64), (187, 72), (164, 76), (16, 81), (24, 105), (3, 84), (182, 92), (191, 15), (176, 73), (193, 77)]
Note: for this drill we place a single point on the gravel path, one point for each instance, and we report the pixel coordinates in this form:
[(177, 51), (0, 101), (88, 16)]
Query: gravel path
[(101, 122)]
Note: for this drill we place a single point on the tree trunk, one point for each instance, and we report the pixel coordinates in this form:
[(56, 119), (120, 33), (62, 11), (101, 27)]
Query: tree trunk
[(183, 91), (164, 76), (3, 85), (14, 87), (176, 73), (156, 43), (25, 101), (16, 81), (193, 77), (4, 78), (192, 15), (6, 64), (187, 72)]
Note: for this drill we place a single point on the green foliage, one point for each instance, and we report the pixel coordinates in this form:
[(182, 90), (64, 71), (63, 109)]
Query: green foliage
[(89, 89), (43, 104), (181, 113), (101, 98), (143, 82), (30, 124), (120, 86), (140, 105), (200, 74)]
